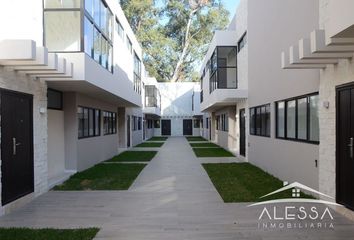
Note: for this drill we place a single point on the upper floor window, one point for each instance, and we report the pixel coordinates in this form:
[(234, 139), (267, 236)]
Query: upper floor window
[(119, 29), (129, 44), (242, 42), (152, 96), (62, 25), (260, 120), (297, 118), (137, 74), (223, 68), (98, 25)]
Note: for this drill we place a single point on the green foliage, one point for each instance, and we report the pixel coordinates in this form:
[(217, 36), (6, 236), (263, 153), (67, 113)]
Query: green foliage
[(134, 156), (212, 152), (161, 27)]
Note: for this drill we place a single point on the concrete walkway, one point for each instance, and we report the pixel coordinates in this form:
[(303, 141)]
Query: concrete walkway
[(173, 198)]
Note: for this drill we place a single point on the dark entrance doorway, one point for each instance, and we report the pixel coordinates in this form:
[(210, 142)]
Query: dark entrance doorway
[(242, 133), (128, 131), (166, 127), (187, 127), (345, 135), (16, 145)]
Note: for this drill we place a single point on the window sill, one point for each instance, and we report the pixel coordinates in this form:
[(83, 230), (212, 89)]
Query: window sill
[(299, 140)]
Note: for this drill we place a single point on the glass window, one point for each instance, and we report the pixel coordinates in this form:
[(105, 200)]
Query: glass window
[(242, 42), (96, 11), (302, 118), (104, 53), (88, 122), (129, 44), (62, 3), (120, 29), (109, 123), (96, 45), (291, 119), (55, 99), (252, 121), (62, 30), (196, 123), (281, 119), (103, 18), (260, 120), (89, 7), (314, 121), (157, 124), (88, 37)]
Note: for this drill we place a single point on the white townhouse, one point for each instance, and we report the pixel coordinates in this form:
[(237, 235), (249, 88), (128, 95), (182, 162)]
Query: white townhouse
[(180, 109), (70, 88), (328, 48), (151, 107), (268, 116)]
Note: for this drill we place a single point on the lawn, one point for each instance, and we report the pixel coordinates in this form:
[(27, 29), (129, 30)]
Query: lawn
[(150, 144), (158, 139), (206, 144), (212, 152), (196, 139), (47, 234), (110, 176), (244, 182), (134, 156)]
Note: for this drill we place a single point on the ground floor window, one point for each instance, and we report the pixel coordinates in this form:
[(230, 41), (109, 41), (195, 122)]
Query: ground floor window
[(54, 99), (157, 124), (260, 120), (224, 122), (297, 118), (196, 123), (89, 122), (137, 123), (207, 123), (109, 123)]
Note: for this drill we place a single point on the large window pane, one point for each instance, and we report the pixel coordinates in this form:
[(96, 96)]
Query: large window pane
[(80, 116), (91, 122), (104, 59), (86, 122), (252, 121), (103, 17), (62, 30), (314, 121), (302, 118), (258, 121), (109, 24), (97, 122), (267, 122), (290, 121), (280, 119), (96, 11), (62, 3), (96, 45), (88, 37), (89, 7), (120, 29), (55, 99)]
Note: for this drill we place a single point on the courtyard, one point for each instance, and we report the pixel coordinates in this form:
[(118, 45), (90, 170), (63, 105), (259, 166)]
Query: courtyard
[(172, 198)]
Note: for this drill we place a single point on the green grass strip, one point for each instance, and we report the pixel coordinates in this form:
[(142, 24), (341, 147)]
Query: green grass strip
[(47, 234), (103, 177)]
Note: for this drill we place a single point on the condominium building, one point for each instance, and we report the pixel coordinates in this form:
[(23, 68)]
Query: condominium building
[(329, 49), (71, 91), (264, 114)]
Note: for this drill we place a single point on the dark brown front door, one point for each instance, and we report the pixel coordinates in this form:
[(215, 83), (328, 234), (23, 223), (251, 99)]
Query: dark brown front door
[(187, 127), (345, 138), (242, 133), (166, 127), (16, 145)]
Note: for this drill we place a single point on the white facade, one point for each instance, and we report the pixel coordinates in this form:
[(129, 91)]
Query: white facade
[(109, 86)]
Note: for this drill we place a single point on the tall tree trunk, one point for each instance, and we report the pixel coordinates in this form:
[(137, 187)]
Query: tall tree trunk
[(177, 70)]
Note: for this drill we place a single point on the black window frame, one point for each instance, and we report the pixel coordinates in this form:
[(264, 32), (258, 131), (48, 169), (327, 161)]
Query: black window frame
[(88, 135), (242, 41), (296, 139), (112, 124), (257, 118)]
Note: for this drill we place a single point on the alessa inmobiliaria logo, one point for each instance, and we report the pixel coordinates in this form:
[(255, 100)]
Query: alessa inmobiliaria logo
[(295, 212)]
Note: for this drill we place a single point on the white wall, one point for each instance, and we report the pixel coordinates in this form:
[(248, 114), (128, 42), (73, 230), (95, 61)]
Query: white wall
[(268, 36), (56, 146)]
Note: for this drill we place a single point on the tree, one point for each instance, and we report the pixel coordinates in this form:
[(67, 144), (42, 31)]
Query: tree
[(175, 34)]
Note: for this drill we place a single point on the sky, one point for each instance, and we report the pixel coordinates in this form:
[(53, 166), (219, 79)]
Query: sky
[(231, 6)]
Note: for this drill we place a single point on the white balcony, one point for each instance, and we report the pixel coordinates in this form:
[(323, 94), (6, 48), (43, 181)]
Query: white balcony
[(223, 97)]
